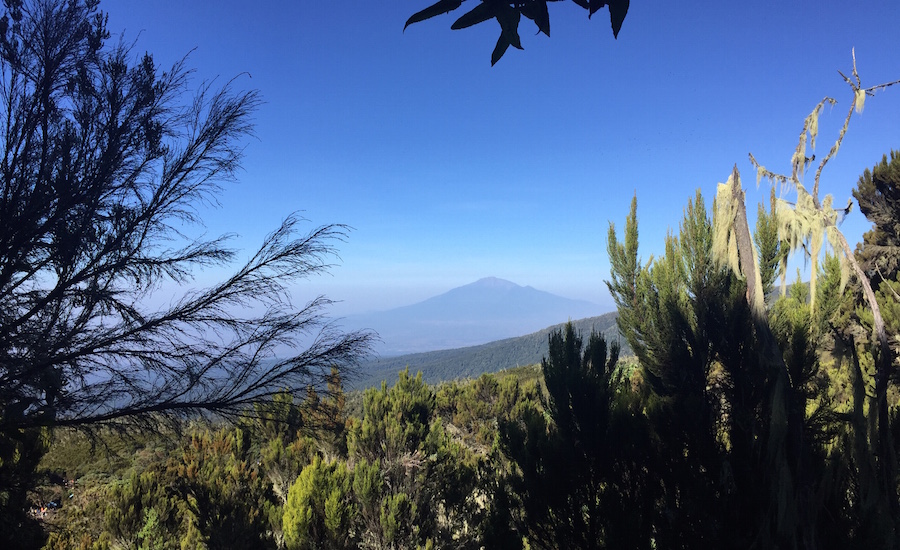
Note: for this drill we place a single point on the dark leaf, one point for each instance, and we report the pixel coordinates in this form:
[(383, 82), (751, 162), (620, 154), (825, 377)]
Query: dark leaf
[(439, 8), (618, 9), (594, 5), (509, 24), (537, 12), (499, 49), (481, 13)]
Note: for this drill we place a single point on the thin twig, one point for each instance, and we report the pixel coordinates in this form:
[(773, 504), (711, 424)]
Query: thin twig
[(856, 88), (832, 152), (883, 278)]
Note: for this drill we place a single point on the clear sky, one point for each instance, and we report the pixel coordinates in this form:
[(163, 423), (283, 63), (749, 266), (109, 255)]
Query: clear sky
[(450, 170)]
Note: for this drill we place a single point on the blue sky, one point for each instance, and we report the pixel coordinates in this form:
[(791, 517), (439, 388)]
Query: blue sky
[(450, 170)]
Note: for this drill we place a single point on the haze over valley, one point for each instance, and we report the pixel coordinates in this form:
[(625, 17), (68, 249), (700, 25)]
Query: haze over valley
[(484, 311)]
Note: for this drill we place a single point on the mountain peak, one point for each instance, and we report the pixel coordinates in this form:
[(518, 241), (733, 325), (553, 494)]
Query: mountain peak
[(488, 309), (494, 282)]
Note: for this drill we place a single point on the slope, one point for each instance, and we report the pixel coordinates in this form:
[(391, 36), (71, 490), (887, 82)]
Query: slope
[(470, 362), (487, 310)]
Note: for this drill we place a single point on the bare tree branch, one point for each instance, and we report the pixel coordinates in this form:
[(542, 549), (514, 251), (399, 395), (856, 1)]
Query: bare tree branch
[(103, 170)]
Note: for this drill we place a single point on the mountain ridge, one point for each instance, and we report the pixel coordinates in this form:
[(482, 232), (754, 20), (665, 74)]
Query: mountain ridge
[(469, 362), (486, 310)]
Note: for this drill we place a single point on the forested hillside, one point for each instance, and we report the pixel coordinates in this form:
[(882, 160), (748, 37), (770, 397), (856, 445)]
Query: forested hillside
[(471, 362)]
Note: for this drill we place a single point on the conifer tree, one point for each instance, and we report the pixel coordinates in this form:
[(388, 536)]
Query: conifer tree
[(806, 225), (878, 195), (772, 253), (577, 479), (319, 508), (414, 485), (105, 162), (101, 163), (729, 421)]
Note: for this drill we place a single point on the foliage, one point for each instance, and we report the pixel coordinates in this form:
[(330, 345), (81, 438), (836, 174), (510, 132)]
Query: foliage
[(666, 316), (863, 334), (279, 418), (740, 441), (103, 172), (319, 509), (575, 472), (740, 423), (142, 513), (104, 169), (20, 452), (508, 15), (878, 195), (874, 414), (472, 409), (771, 251), (427, 480), (227, 499), (624, 272), (205, 492), (395, 421), (593, 457)]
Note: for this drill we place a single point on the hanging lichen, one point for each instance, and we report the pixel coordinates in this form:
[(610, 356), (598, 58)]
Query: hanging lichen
[(724, 243), (859, 100), (805, 226), (729, 211)]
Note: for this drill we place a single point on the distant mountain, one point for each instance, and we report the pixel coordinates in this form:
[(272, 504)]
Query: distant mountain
[(470, 362), (484, 311)]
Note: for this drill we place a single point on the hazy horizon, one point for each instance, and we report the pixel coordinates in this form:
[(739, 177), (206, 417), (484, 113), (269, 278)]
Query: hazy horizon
[(449, 170)]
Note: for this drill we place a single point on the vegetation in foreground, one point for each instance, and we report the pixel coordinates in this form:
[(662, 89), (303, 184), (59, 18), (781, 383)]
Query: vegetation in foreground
[(706, 438), (740, 423), (699, 440)]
